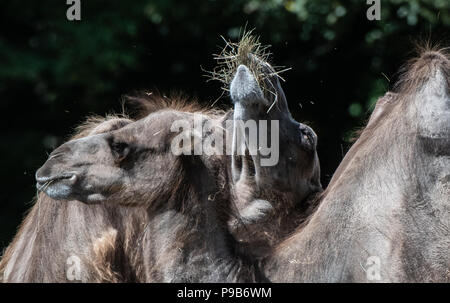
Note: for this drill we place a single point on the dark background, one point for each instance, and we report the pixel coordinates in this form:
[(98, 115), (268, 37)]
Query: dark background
[(53, 73)]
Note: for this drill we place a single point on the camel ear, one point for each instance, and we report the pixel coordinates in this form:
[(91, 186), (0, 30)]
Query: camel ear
[(110, 125)]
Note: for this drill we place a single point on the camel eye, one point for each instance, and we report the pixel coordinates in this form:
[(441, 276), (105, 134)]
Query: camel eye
[(120, 150)]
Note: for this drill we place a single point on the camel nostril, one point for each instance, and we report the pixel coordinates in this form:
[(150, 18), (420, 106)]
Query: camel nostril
[(41, 179)]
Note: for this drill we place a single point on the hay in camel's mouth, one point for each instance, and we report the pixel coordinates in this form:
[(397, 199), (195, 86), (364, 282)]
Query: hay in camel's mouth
[(251, 53)]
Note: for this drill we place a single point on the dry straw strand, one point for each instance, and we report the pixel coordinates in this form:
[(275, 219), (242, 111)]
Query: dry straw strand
[(251, 53)]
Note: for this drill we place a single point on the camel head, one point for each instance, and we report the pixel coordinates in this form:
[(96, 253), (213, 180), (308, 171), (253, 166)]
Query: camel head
[(284, 156), (129, 163)]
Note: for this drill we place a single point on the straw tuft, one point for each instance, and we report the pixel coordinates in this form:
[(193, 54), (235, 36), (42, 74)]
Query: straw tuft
[(251, 53)]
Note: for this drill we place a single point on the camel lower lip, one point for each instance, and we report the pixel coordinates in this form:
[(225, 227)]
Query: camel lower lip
[(66, 189), (58, 190), (57, 187)]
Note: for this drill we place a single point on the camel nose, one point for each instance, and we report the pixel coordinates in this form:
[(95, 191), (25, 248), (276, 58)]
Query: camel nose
[(244, 86), (243, 72), (52, 171)]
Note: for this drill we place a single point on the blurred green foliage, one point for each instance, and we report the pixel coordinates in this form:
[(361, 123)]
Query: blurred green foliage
[(54, 72)]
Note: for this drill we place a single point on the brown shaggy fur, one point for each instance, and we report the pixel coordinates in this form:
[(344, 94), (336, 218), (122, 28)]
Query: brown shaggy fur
[(389, 196)]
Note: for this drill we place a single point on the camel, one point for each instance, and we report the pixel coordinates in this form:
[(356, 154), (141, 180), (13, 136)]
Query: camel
[(273, 197), (181, 205), (385, 216)]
